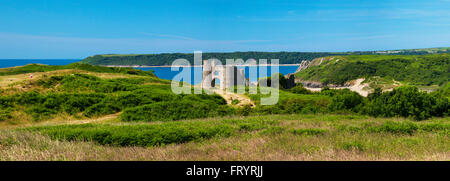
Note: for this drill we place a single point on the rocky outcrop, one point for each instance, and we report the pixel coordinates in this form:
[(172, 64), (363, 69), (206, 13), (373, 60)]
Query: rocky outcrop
[(304, 65), (290, 81), (311, 84)]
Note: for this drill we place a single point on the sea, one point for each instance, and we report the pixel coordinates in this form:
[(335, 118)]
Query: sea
[(161, 72)]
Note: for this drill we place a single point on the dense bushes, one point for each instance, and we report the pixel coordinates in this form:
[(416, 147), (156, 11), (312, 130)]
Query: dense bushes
[(38, 112), (5, 102), (5, 114), (102, 108), (137, 135), (143, 104), (407, 101), (43, 106), (175, 110), (345, 100), (153, 134), (294, 105), (299, 89), (289, 103), (395, 127), (281, 79), (74, 95), (84, 82), (159, 105), (309, 131)]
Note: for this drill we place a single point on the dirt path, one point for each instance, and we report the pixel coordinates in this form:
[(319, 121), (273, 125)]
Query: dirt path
[(93, 120), (63, 121), (229, 97), (357, 86)]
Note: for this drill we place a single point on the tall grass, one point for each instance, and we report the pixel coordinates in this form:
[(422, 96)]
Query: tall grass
[(268, 137)]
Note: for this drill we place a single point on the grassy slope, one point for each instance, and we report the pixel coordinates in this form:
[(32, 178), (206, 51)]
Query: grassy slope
[(82, 91), (273, 137), (413, 69), (78, 66)]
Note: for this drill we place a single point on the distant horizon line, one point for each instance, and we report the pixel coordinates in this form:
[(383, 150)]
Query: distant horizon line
[(448, 47)]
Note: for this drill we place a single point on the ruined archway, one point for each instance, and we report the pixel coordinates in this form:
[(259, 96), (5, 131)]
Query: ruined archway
[(222, 77), (213, 83)]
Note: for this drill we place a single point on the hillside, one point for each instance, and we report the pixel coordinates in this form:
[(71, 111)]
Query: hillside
[(421, 70), (35, 93), (32, 68), (167, 58), (284, 57)]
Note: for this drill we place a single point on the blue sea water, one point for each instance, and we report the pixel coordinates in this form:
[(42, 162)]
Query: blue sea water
[(4, 63), (161, 72), (167, 73)]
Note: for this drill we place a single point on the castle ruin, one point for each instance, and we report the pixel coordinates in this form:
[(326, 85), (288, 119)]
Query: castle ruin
[(227, 75)]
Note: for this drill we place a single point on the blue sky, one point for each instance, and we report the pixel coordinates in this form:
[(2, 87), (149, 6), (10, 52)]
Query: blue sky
[(77, 29)]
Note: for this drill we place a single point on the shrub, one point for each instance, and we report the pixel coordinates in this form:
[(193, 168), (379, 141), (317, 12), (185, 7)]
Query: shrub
[(214, 98), (79, 102), (282, 81), (345, 100), (235, 101), (84, 82), (244, 111), (299, 89), (28, 98), (251, 126), (174, 110), (6, 101), (353, 145), (137, 135), (39, 112), (308, 131), (295, 105), (5, 114), (102, 108), (274, 130), (407, 101), (435, 127), (395, 127)]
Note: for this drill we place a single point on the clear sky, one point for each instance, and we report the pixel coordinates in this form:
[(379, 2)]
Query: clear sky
[(80, 28)]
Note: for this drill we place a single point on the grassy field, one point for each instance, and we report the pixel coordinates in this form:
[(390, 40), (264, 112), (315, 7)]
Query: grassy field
[(270, 137)]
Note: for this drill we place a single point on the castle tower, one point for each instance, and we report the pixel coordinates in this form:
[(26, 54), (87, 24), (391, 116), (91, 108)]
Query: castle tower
[(229, 76)]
